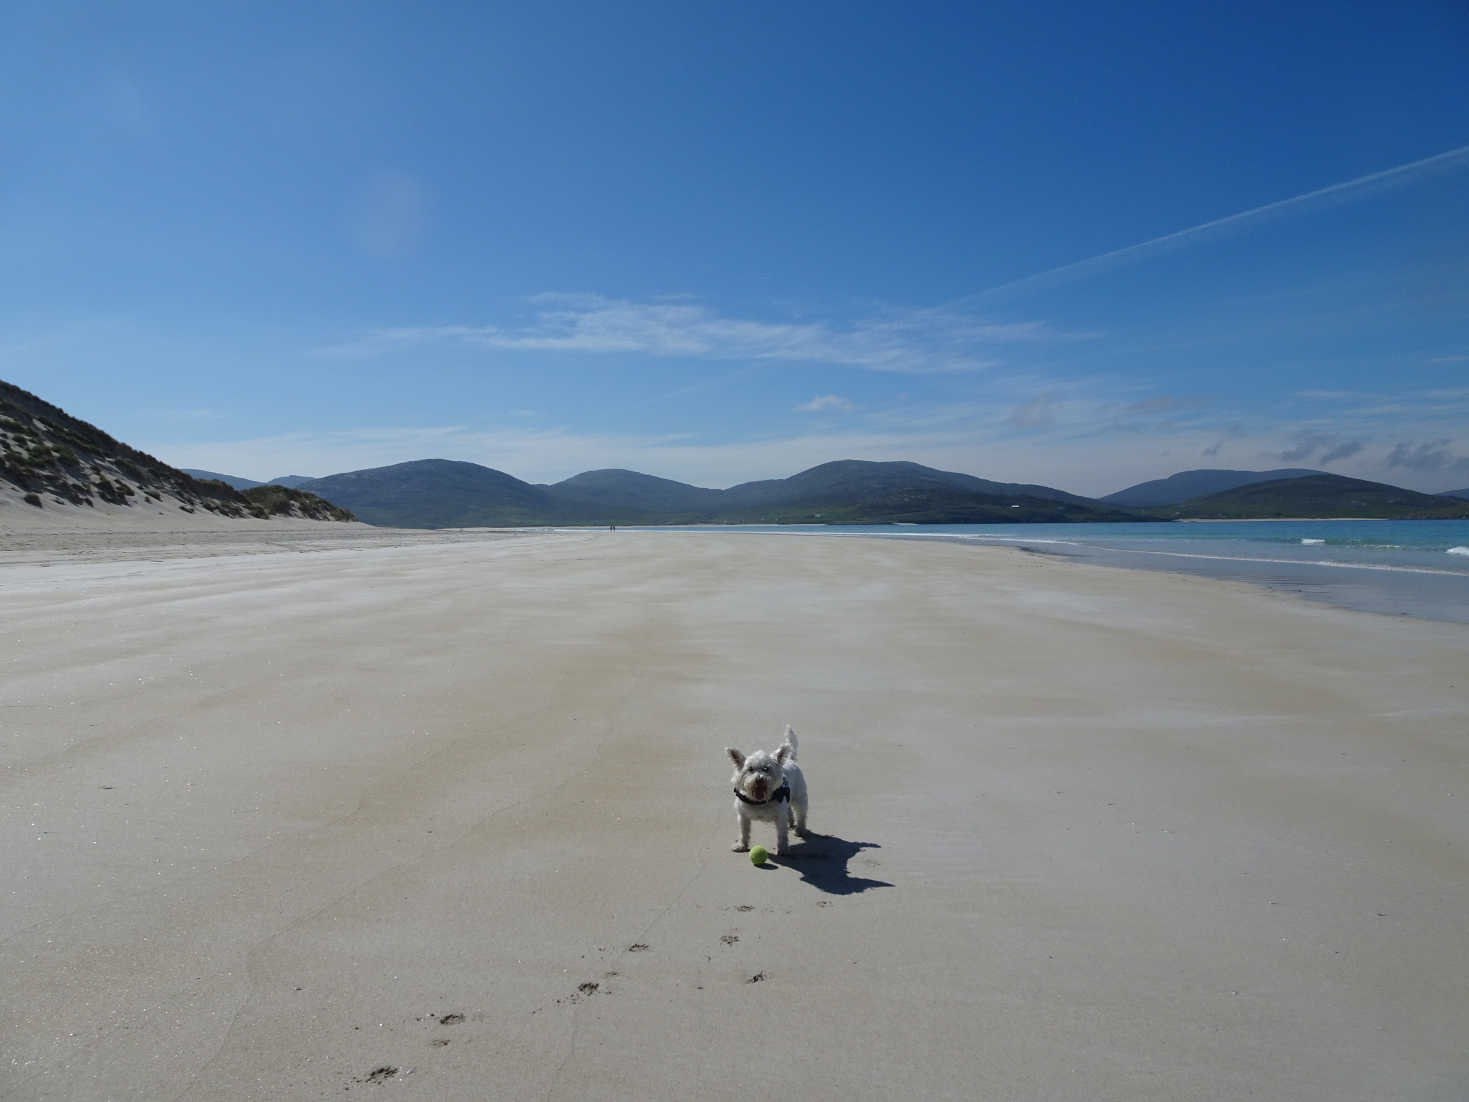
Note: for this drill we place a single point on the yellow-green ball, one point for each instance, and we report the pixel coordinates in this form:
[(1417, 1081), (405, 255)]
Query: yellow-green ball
[(758, 854)]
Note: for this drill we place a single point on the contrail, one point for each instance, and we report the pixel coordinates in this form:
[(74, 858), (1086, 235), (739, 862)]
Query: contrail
[(1082, 268)]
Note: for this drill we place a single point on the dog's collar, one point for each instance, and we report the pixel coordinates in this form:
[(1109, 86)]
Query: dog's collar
[(781, 793)]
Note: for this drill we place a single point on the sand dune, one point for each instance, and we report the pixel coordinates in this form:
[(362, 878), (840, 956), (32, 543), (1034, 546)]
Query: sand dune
[(449, 817)]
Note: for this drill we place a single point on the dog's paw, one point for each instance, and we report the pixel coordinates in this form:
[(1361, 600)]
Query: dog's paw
[(740, 847)]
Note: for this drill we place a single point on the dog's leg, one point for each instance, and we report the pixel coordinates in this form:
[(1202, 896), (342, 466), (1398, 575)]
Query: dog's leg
[(782, 836), (744, 843), (798, 817)]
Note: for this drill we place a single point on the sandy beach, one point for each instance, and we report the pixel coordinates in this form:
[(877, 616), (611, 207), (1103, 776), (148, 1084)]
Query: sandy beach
[(357, 813)]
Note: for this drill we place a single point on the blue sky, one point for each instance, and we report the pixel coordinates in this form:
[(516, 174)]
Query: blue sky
[(1076, 244)]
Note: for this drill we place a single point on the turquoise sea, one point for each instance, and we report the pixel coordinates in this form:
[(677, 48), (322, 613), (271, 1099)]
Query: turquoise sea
[(1398, 567)]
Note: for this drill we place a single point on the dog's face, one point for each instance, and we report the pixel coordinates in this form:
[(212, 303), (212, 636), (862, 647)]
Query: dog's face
[(760, 775)]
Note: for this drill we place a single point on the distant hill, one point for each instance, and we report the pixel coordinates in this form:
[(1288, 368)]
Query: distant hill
[(51, 460), (435, 493), (1186, 485), (854, 491), (1320, 495), (1464, 493), (228, 479), (440, 493), (620, 491), (291, 481), (856, 479)]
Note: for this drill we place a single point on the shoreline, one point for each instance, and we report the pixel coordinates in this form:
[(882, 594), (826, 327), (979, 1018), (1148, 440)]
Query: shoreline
[(1282, 520), (1429, 593)]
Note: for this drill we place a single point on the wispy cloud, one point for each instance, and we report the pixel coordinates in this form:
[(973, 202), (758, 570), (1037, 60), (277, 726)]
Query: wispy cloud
[(1325, 447), (918, 342), (1440, 410), (1344, 449), (1163, 404), (1038, 413), (825, 402), (1339, 192), (1231, 433), (1434, 455)]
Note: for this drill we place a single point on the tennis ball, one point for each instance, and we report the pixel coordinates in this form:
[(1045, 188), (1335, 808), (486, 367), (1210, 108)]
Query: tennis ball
[(758, 854)]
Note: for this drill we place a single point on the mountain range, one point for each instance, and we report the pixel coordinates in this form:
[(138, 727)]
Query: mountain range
[(443, 493), (439, 493), (50, 459)]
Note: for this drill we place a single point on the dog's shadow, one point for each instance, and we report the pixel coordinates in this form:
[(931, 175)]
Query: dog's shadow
[(822, 861)]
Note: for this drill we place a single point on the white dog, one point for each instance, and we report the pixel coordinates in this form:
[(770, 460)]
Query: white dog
[(769, 786)]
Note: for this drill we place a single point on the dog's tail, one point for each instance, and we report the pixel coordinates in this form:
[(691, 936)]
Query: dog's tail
[(791, 740)]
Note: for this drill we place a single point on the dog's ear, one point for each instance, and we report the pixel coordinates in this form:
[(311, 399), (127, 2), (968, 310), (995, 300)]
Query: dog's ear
[(783, 753), (735, 756)]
